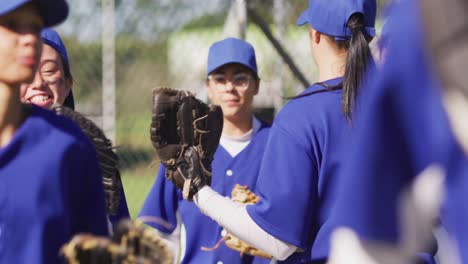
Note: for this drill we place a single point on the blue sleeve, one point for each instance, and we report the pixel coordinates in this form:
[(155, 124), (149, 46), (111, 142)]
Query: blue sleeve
[(161, 204), (426, 258), (122, 211), (396, 135), (87, 202), (287, 200), (373, 174)]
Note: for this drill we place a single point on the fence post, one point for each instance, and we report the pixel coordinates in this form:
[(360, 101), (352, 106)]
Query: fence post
[(280, 17), (108, 69), (236, 21)]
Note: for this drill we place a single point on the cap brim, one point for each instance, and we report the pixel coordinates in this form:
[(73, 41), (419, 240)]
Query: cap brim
[(53, 11), (223, 63), (9, 6), (303, 18)]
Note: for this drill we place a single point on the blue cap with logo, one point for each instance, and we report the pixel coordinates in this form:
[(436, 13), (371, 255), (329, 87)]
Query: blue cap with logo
[(331, 16), (52, 11), (231, 50)]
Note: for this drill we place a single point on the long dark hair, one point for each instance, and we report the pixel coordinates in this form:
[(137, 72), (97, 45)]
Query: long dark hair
[(358, 60), (69, 100)]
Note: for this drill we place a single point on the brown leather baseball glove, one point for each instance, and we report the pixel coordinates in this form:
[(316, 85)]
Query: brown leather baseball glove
[(185, 133), (132, 243), (108, 159), (240, 194)]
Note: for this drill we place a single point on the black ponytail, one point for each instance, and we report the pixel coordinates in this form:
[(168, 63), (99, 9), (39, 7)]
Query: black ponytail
[(358, 60)]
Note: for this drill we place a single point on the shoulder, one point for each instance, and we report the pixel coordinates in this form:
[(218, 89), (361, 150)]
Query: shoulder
[(313, 99), (315, 106), (263, 129)]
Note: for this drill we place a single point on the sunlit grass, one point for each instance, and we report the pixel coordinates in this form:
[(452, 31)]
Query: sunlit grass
[(137, 183)]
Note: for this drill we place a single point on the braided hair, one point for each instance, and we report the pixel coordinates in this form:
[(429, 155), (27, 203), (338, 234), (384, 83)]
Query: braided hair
[(108, 159)]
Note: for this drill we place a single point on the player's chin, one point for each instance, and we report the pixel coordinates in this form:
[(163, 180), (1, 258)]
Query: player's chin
[(228, 108), (231, 106), (47, 104), (232, 113), (21, 75), (232, 103)]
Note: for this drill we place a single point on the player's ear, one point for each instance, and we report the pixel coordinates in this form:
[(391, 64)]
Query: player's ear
[(209, 89), (256, 85), (314, 35)]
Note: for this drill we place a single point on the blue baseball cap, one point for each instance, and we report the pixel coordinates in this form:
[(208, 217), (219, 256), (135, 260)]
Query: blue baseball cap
[(52, 11), (331, 16), (52, 38), (231, 50)]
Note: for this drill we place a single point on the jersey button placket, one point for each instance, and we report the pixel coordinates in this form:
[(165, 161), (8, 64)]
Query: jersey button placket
[(229, 172)]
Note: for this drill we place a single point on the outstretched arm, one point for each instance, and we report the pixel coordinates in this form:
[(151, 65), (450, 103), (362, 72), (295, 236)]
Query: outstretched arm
[(235, 219)]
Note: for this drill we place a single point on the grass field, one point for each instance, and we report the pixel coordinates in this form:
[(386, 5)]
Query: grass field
[(136, 155), (137, 183)]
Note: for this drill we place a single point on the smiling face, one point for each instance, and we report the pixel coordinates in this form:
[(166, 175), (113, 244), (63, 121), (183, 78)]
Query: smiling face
[(20, 44), (233, 87), (49, 85)]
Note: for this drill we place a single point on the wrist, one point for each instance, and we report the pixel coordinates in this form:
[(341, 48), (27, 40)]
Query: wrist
[(203, 195)]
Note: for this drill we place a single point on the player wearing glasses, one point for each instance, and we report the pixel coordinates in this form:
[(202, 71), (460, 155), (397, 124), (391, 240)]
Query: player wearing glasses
[(232, 82)]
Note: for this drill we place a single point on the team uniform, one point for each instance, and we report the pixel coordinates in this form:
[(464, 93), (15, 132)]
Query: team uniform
[(299, 157), (165, 201), (50, 37), (402, 129), (122, 210), (50, 189)]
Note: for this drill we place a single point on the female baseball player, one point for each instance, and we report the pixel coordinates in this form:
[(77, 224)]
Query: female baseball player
[(49, 181), (405, 127), (52, 84), (53, 80), (291, 220), (232, 82)]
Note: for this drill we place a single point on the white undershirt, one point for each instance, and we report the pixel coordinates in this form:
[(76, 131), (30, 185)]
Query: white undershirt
[(234, 145), (234, 218), (230, 215)]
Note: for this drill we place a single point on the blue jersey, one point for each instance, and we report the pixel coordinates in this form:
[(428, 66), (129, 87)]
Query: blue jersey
[(50, 189), (300, 156), (401, 130), (164, 200)]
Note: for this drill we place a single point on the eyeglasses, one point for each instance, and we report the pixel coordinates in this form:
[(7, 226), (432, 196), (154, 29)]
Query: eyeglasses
[(240, 81)]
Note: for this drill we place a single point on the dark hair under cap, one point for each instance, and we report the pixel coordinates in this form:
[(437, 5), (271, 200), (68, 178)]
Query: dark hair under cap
[(52, 38), (70, 101)]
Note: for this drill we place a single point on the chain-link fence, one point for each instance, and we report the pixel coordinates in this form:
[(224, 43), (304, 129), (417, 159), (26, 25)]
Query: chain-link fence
[(165, 43)]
